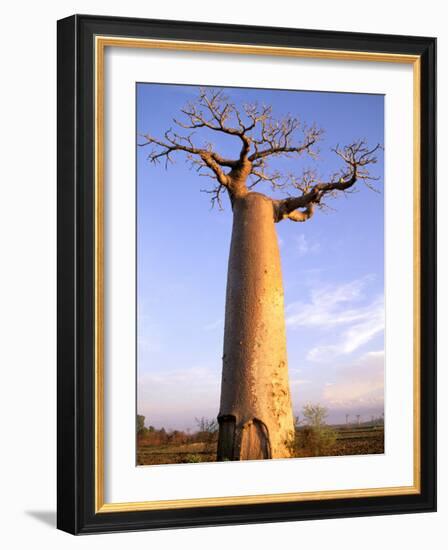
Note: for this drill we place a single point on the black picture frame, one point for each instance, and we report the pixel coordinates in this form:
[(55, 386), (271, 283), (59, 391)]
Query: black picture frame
[(76, 286)]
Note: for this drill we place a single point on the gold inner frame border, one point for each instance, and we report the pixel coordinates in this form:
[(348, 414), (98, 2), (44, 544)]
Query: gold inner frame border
[(100, 44)]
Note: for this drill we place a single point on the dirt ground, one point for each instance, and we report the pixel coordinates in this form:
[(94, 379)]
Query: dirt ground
[(349, 441)]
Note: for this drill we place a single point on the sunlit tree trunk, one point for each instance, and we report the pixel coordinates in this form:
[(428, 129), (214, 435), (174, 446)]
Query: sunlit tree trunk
[(255, 416)]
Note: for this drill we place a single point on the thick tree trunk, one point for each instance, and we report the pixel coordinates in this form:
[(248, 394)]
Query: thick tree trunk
[(255, 419)]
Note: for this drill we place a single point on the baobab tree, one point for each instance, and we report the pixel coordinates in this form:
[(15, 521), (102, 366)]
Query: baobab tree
[(255, 416)]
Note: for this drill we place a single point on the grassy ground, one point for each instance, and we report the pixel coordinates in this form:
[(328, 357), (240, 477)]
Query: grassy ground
[(352, 440)]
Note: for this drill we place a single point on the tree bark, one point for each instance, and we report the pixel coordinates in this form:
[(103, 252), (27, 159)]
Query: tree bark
[(255, 419)]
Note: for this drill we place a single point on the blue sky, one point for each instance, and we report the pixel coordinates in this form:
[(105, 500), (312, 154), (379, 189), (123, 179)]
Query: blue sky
[(333, 267)]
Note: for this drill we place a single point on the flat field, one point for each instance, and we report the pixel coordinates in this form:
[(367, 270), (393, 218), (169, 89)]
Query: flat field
[(350, 440)]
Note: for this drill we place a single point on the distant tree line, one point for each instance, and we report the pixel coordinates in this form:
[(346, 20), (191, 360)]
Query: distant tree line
[(358, 420), (207, 432)]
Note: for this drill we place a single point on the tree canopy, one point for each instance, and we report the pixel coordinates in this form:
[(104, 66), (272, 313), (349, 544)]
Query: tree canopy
[(262, 137)]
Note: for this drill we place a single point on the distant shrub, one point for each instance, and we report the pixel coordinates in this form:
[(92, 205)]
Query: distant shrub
[(316, 441), (315, 438), (191, 458), (207, 433), (140, 425)]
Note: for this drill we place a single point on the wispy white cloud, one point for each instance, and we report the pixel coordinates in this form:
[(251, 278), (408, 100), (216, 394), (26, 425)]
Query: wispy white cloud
[(304, 246), (343, 306), (329, 305), (369, 322)]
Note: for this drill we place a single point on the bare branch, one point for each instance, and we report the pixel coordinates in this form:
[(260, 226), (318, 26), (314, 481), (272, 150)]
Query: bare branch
[(356, 157), (274, 179), (278, 138), (213, 110), (215, 195), (253, 125), (173, 142), (302, 215), (262, 139)]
